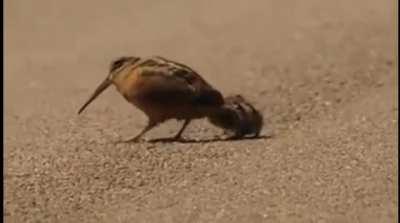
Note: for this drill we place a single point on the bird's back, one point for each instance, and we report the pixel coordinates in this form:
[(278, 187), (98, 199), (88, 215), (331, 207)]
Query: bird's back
[(168, 89)]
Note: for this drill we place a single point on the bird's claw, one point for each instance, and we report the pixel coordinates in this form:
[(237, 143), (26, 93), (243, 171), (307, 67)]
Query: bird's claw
[(177, 138)]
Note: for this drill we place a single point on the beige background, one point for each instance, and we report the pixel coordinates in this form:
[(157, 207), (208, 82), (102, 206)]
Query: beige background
[(322, 72)]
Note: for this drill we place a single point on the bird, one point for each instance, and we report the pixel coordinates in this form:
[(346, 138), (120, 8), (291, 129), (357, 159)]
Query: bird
[(162, 89), (239, 116)]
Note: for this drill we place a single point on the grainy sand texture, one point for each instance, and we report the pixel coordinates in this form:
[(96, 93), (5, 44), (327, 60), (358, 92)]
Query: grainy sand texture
[(323, 73)]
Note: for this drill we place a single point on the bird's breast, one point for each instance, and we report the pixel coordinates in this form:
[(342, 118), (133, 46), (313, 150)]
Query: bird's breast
[(128, 84)]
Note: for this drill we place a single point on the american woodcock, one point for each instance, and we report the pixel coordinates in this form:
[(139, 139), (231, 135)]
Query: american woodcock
[(162, 89), (237, 115)]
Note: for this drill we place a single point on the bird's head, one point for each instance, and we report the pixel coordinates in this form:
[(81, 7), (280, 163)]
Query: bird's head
[(119, 64), (116, 67)]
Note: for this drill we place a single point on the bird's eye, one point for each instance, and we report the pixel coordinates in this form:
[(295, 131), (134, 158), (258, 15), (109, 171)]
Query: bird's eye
[(121, 61), (116, 64)]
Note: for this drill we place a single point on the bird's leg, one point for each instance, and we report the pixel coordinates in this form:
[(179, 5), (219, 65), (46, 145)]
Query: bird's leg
[(179, 134), (149, 126)]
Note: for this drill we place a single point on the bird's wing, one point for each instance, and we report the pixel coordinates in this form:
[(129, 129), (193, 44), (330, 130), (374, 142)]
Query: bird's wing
[(175, 78)]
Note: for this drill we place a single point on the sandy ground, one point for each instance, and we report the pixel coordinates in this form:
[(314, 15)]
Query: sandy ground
[(322, 72)]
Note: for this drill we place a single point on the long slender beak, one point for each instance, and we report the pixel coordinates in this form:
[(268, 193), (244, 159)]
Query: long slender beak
[(104, 85)]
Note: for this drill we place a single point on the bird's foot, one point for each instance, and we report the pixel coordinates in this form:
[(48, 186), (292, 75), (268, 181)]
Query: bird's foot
[(177, 138)]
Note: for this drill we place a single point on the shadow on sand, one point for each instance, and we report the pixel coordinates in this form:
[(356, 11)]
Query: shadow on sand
[(165, 140)]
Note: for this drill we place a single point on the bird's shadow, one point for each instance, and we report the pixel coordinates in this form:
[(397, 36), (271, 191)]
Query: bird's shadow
[(165, 140)]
